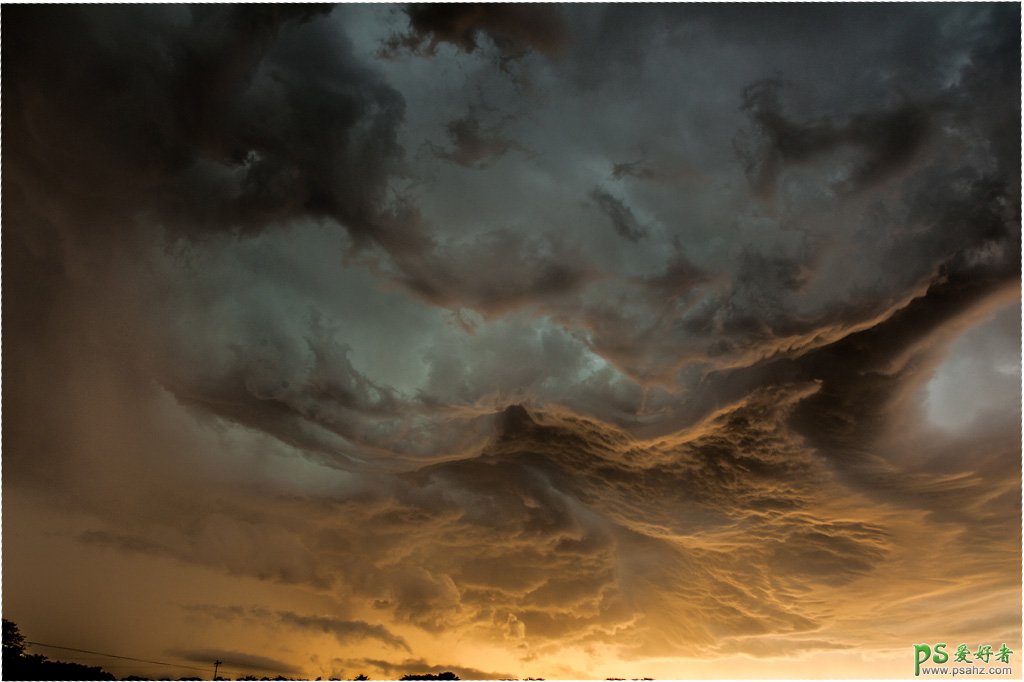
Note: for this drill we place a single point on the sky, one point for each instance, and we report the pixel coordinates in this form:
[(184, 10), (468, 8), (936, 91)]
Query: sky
[(561, 341)]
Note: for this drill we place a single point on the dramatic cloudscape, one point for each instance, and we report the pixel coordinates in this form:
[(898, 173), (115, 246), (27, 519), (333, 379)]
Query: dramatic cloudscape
[(564, 341)]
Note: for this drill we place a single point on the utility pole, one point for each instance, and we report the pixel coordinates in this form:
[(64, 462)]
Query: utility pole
[(216, 664)]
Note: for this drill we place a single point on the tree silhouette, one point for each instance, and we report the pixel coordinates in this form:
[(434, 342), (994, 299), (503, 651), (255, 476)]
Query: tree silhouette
[(431, 676), (14, 641), (17, 665)]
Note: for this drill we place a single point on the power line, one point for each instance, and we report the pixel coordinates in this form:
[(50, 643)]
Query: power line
[(139, 660), (127, 658)]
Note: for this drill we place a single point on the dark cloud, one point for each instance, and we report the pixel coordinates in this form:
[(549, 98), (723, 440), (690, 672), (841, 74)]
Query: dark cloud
[(201, 122), (677, 279), (636, 169), (512, 28), (863, 375), (474, 145), (226, 126), (343, 630), (495, 272), (886, 140), (300, 387), (623, 220), (669, 171)]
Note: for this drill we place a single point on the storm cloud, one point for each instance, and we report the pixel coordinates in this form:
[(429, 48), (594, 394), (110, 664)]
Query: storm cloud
[(559, 341), (511, 28)]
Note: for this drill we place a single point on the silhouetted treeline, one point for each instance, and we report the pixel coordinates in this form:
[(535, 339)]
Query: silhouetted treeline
[(21, 666), (18, 665)]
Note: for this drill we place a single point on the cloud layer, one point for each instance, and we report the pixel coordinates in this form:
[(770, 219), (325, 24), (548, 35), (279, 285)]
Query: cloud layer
[(518, 340)]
